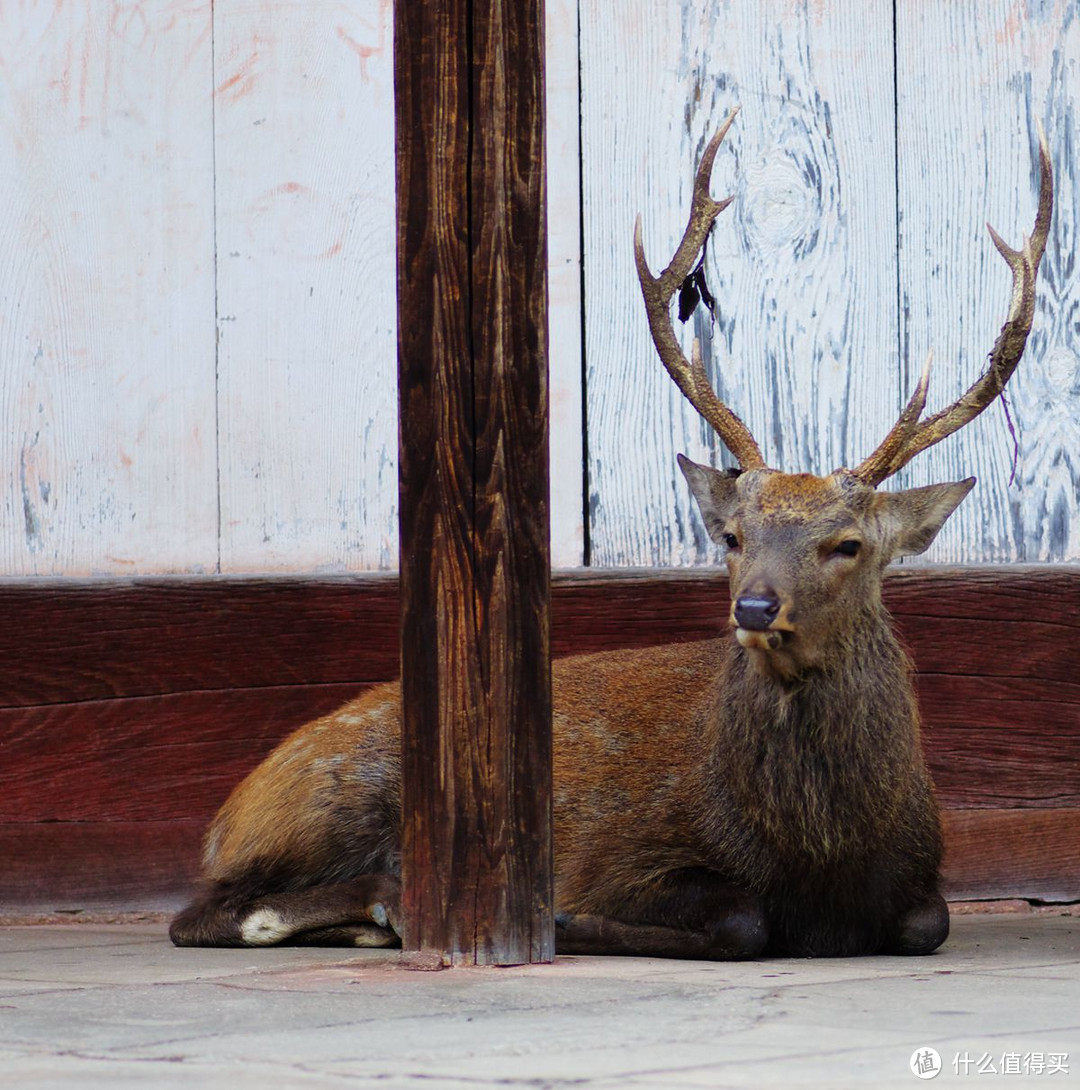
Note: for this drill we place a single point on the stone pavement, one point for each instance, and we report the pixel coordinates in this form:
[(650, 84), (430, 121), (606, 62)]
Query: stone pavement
[(93, 1005)]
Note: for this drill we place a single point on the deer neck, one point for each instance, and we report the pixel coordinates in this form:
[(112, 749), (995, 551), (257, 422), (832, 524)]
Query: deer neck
[(819, 763)]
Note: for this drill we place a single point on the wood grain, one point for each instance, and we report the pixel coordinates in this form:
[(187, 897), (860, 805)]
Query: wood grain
[(303, 106), (106, 277), (102, 639), (198, 268), (475, 570), (1033, 854), (805, 340), (814, 346), (973, 81), (161, 758), (73, 866), (192, 189), (138, 704), (564, 284)]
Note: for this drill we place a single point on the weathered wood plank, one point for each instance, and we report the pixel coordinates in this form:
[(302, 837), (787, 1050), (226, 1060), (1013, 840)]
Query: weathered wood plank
[(126, 865), (564, 284), (305, 285), (973, 80), (162, 758), (239, 663), (992, 854), (134, 702), (102, 639), (111, 436), (805, 344), (472, 379), (106, 278), (107, 376)]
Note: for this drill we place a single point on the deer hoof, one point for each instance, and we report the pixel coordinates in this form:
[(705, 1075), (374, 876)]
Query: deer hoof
[(743, 932), (923, 929)]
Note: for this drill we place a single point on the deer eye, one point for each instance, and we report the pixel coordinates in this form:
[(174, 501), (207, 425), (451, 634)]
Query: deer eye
[(850, 547), (730, 540)]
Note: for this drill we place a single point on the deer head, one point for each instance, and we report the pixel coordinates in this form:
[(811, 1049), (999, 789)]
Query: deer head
[(806, 553)]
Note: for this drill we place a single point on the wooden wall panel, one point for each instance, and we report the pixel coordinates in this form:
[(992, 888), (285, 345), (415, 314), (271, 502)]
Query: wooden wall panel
[(136, 706), (1032, 854), (829, 245), (106, 289), (305, 285), (804, 345), (97, 640), (973, 81), (197, 249), (177, 172), (564, 285), (163, 758), (112, 865)]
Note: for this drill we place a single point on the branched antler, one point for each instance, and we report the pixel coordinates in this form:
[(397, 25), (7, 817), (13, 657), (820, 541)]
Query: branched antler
[(658, 292), (909, 435)]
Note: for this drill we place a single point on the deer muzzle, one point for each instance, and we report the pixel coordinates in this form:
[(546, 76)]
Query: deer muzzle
[(755, 617), (756, 612)]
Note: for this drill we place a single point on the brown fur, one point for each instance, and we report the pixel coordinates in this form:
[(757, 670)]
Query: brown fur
[(711, 799)]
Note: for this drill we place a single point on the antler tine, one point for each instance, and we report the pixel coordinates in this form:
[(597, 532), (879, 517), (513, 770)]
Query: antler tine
[(908, 436), (894, 444), (657, 292)]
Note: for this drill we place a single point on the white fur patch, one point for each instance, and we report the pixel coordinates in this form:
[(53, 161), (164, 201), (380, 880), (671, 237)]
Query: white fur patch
[(264, 927)]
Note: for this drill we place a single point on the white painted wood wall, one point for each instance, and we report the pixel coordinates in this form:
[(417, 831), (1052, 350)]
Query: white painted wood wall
[(197, 323)]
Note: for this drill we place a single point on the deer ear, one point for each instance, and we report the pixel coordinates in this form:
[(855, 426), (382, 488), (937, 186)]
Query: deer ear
[(715, 493), (913, 518)]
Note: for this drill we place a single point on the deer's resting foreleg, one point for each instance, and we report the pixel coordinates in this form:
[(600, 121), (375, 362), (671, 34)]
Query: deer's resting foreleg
[(692, 913), (359, 912)]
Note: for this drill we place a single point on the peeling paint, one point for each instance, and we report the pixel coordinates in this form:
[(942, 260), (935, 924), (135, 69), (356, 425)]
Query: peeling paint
[(31, 522)]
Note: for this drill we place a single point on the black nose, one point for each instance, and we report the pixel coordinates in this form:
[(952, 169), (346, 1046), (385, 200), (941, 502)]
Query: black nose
[(756, 612)]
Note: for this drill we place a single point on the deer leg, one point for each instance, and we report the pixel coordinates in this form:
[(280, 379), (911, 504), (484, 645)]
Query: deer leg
[(578, 934), (688, 914), (922, 929), (359, 912), (357, 934)]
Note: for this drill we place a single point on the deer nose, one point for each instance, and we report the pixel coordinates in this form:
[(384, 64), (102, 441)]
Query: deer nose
[(756, 611)]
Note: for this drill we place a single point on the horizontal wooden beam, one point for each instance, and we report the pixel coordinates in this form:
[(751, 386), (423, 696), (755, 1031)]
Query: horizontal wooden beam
[(64, 641), (138, 704), (140, 865), (1032, 854), (132, 866)]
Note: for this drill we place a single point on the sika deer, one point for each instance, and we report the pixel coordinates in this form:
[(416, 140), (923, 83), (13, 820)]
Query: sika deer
[(762, 794)]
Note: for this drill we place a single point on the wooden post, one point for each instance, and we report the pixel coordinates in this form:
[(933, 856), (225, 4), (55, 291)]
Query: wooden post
[(473, 442)]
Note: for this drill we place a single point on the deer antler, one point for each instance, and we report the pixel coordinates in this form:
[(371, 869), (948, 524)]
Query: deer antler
[(908, 435), (657, 291)]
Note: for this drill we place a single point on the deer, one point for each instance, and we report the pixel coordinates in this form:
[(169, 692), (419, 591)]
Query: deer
[(763, 793)]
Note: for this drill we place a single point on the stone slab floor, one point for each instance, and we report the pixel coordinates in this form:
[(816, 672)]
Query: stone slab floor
[(114, 1005)]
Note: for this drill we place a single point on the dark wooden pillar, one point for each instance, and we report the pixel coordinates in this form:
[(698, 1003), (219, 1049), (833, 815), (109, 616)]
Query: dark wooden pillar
[(473, 419)]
